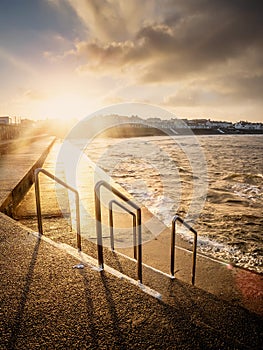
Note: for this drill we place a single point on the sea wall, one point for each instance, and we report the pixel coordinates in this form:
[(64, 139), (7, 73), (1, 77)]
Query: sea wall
[(19, 191)]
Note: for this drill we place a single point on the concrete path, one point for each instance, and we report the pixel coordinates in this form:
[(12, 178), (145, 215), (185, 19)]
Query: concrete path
[(48, 304)]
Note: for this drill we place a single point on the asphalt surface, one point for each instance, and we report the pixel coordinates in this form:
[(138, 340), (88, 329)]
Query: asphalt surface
[(48, 304)]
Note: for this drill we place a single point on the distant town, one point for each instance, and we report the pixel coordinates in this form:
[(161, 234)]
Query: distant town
[(11, 127), (176, 124), (136, 126)]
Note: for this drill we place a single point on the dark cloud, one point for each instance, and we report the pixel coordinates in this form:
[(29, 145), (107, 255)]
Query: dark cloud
[(214, 47), (198, 35), (206, 35)]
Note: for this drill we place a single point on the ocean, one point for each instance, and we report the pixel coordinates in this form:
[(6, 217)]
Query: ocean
[(213, 182)]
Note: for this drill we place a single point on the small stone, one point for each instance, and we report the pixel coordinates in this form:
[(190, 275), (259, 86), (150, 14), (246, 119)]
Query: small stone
[(78, 266)]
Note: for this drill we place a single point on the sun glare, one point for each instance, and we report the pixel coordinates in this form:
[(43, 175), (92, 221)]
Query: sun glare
[(66, 107)]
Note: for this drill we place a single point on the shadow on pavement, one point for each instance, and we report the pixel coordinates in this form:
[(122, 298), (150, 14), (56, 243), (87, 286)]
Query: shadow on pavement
[(24, 296)]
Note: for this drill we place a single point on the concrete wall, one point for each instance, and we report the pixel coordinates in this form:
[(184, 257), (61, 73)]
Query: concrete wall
[(20, 190)]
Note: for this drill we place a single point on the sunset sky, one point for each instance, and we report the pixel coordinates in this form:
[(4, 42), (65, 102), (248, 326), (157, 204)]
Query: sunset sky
[(195, 58)]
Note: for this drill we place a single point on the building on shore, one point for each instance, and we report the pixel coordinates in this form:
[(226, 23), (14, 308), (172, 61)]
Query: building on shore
[(248, 126), (6, 120)]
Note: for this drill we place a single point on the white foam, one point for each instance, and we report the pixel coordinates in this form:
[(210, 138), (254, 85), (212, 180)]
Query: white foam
[(247, 191)]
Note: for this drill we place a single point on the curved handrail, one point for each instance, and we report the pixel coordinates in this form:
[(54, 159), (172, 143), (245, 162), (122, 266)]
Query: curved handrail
[(99, 228), (114, 201), (38, 202), (177, 217)]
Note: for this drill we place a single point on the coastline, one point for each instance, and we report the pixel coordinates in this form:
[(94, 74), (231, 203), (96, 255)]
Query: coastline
[(134, 130)]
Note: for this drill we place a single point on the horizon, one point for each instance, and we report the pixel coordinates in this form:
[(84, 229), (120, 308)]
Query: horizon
[(67, 59), (72, 120)]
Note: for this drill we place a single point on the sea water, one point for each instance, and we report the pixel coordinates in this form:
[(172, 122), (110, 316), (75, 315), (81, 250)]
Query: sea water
[(215, 182)]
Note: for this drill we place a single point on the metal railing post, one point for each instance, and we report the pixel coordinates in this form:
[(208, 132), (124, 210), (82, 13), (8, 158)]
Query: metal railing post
[(99, 226), (134, 236), (173, 233), (194, 258), (78, 220), (111, 226), (139, 227), (38, 201), (111, 223), (172, 248)]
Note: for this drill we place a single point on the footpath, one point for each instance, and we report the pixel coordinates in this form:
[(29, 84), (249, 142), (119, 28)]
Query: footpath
[(17, 168), (50, 301)]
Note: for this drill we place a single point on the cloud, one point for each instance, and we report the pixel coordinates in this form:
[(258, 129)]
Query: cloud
[(190, 41), (214, 48), (187, 96), (113, 20), (227, 91)]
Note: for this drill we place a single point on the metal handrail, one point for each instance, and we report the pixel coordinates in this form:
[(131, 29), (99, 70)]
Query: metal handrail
[(176, 217), (99, 228), (38, 202), (114, 201)]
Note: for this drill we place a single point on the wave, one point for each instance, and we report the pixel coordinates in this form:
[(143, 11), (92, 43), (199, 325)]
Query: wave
[(249, 178), (230, 253)]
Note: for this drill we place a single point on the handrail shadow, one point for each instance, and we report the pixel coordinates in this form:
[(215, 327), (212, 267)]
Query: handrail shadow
[(24, 296)]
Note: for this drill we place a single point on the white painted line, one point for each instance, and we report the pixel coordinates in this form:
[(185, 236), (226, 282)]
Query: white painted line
[(92, 263)]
